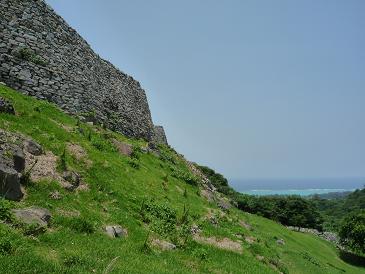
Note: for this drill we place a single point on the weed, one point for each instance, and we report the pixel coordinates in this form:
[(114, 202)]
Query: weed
[(63, 162), (200, 253), (134, 163), (72, 260), (5, 210), (25, 178)]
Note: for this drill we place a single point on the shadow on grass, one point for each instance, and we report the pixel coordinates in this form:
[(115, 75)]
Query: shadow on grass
[(351, 258)]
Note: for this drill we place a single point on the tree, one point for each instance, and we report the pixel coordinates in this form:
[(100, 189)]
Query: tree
[(352, 232)]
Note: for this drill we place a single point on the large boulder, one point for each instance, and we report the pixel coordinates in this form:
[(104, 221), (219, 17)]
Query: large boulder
[(14, 150), (33, 147), (33, 215), (116, 231), (163, 245), (123, 148), (10, 183)]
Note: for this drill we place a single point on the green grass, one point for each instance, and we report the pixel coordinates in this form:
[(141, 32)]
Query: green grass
[(151, 197)]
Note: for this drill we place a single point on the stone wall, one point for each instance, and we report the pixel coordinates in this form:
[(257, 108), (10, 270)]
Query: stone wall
[(41, 56), (159, 135)]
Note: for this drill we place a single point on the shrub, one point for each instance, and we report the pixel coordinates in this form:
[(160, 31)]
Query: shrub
[(134, 163), (200, 253), (32, 229), (101, 143), (5, 210), (81, 225), (160, 216), (136, 152), (352, 232), (185, 176), (29, 55), (167, 157), (7, 242), (63, 163)]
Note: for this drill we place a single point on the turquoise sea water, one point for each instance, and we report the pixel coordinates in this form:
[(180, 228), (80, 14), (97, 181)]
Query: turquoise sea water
[(301, 192), (303, 187)]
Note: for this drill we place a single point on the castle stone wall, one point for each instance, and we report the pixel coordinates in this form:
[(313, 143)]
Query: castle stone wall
[(159, 136), (42, 56)]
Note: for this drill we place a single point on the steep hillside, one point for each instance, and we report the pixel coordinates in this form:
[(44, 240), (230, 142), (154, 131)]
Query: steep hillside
[(167, 218)]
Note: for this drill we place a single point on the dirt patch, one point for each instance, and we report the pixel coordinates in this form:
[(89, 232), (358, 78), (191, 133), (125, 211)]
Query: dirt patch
[(250, 239), (79, 153), (43, 166), (243, 224), (76, 150), (224, 243)]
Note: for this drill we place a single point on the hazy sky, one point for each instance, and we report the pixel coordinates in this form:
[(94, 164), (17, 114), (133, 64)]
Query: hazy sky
[(254, 89)]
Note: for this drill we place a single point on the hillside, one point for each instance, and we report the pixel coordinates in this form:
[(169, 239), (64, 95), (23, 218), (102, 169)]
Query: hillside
[(167, 224)]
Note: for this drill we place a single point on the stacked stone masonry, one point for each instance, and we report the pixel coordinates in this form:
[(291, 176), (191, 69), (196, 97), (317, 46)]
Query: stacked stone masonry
[(42, 56), (159, 135)]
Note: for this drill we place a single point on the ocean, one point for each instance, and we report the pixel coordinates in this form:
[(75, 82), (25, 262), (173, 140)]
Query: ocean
[(302, 187)]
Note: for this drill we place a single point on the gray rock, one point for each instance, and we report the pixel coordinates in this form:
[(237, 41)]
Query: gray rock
[(116, 231), (33, 147), (73, 178), (223, 204), (33, 215), (25, 75), (19, 161), (6, 106), (10, 183), (195, 229), (123, 148), (163, 245), (280, 242)]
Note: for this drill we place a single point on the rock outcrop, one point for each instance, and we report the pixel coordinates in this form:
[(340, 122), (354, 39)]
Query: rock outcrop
[(33, 215), (12, 164), (42, 56)]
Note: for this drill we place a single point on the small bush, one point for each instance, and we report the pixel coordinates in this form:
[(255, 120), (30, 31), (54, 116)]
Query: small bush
[(32, 229), (167, 157), (185, 176), (78, 224), (29, 55), (160, 216), (5, 210), (7, 241), (136, 152), (72, 260), (134, 163), (101, 143), (63, 163), (200, 253)]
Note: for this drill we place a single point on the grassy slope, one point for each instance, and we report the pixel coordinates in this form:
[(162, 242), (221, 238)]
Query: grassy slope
[(115, 197)]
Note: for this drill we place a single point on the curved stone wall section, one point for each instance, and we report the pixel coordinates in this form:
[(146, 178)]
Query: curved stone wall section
[(159, 135), (42, 56)]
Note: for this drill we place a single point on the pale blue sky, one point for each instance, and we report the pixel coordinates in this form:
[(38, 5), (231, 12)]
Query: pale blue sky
[(254, 89)]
